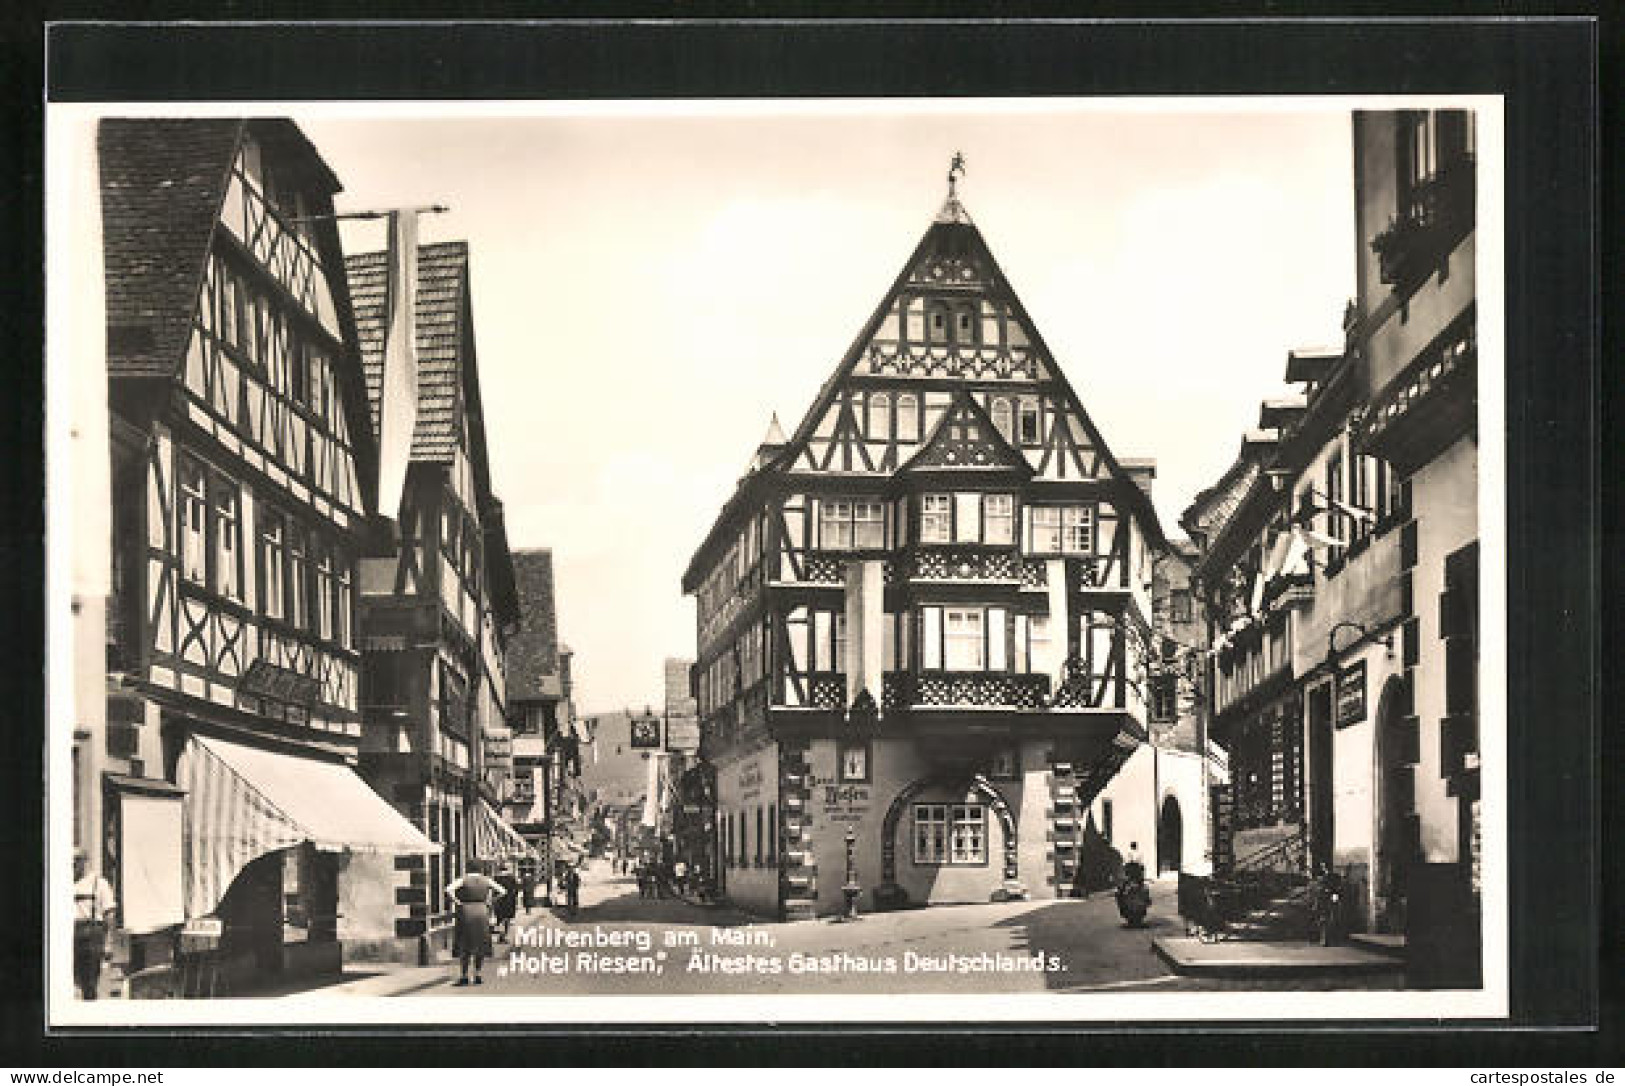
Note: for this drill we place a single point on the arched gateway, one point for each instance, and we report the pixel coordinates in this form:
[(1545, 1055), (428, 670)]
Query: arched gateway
[(890, 893)]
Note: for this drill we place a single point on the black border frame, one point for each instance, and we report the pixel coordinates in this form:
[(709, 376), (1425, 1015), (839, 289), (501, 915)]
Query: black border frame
[(1547, 68)]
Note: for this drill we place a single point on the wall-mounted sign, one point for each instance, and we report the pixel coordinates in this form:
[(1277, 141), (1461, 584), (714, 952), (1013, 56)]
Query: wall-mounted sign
[(748, 782), (1351, 694), (265, 680), (842, 801), (498, 746), (682, 734)]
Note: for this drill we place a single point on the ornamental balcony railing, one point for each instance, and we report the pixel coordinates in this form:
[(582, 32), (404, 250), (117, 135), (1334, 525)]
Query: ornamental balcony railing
[(940, 689), (1436, 213), (1454, 359), (973, 689), (963, 564), (1094, 570)]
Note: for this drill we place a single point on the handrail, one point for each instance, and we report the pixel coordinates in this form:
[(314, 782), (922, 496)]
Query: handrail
[(1257, 860)]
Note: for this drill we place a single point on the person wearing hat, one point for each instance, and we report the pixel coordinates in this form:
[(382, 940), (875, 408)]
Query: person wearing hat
[(94, 910)]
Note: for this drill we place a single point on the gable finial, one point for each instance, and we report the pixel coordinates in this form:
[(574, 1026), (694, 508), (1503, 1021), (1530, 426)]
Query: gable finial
[(956, 170)]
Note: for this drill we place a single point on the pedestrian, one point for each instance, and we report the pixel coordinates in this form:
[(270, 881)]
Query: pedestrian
[(95, 909), (508, 903), (471, 934), (679, 874), (1134, 863), (572, 890)]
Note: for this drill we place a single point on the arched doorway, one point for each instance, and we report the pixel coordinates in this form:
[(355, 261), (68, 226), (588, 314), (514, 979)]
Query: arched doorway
[(889, 894), (1170, 836), (1398, 831)]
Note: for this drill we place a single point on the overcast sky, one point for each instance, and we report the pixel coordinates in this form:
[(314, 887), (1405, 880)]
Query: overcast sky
[(650, 287)]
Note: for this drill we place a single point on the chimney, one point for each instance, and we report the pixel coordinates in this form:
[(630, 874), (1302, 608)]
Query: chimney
[(1142, 469)]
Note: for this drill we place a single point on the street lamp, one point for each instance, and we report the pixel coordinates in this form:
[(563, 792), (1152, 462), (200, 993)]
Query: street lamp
[(851, 889)]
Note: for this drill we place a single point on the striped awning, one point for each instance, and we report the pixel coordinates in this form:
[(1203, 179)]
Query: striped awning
[(243, 802), (494, 839)]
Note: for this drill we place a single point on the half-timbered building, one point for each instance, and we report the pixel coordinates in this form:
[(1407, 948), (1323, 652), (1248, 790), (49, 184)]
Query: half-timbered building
[(240, 464), (923, 615), (438, 602), (541, 715)]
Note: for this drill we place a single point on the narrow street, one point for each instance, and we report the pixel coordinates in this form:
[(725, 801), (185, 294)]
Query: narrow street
[(621, 944)]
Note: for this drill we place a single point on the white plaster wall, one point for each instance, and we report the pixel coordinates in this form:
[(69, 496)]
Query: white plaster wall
[(1033, 865), (1137, 792), (1444, 497), (750, 886)]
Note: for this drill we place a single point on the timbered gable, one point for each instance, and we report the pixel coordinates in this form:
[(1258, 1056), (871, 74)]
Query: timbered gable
[(252, 492), (966, 439), (266, 361), (951, 325)]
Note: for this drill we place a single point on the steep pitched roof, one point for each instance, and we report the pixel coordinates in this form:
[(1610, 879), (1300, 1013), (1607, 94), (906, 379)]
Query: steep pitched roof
[(162, 182), (952, 240), (533, 652), (952, 243), (442, 305)]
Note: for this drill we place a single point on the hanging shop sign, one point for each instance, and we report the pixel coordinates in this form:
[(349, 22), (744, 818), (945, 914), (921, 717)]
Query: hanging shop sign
[(682, 734), (1351, 694), (646, 732), (498, 747)]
